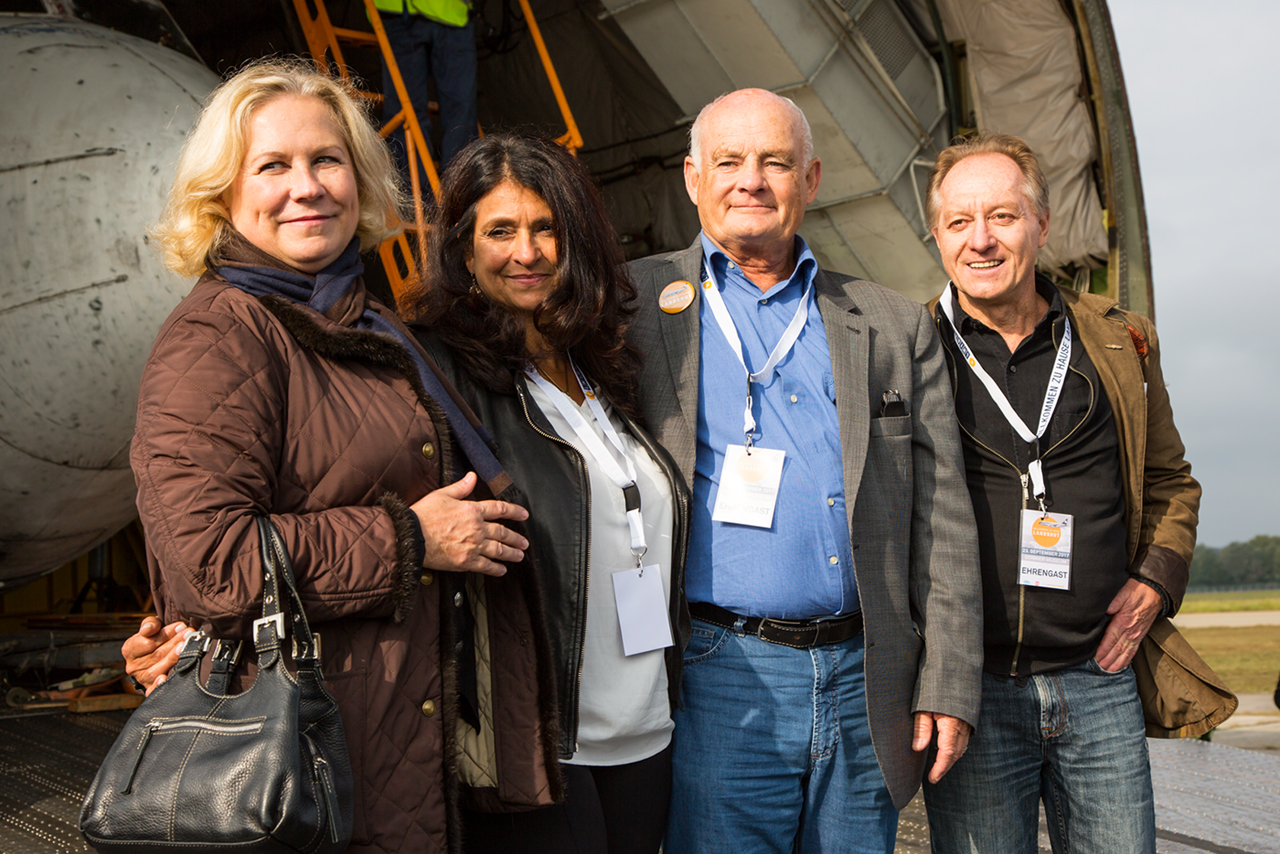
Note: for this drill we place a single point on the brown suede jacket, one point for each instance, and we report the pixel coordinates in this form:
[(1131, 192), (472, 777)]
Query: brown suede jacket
[(252, 406)]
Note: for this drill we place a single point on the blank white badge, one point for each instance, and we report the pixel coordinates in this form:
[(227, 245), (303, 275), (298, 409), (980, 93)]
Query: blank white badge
[(748, 486), (642, 610)]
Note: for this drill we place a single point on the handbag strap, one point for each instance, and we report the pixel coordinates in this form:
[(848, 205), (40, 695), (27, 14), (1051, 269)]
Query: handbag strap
[(277, 575)]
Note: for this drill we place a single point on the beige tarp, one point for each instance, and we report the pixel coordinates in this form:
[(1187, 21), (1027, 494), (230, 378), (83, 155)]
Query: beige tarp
[(1025, 72)]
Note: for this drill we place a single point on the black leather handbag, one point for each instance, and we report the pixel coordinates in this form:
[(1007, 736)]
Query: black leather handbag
[(198, 769)]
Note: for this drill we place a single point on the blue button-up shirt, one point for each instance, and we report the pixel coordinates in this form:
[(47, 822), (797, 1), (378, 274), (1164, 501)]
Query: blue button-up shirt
[(802, 565)]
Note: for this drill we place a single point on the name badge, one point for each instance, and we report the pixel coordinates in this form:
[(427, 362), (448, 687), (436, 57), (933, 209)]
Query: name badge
[(1046, 550), (748, 486), (642, 610)]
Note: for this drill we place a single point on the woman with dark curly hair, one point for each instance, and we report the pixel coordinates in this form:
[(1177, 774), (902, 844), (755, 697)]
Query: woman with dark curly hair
[(525, 303)]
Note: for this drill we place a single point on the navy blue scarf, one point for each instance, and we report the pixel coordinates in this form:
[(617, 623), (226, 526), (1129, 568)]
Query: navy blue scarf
[(323, 292)]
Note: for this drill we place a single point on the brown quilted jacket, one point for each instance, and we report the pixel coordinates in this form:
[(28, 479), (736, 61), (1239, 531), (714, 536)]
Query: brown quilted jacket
[(252, 406)]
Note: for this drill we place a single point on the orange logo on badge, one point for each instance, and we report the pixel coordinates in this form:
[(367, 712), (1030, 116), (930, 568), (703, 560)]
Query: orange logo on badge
[(1045, 532), (676, 297), (751, 469)]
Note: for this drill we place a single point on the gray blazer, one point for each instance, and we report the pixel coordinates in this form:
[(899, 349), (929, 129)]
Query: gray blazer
[(911, 523)]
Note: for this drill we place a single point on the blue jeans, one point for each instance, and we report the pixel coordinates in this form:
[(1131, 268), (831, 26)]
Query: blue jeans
[(424, 48), (1073, 738), (773, 751)]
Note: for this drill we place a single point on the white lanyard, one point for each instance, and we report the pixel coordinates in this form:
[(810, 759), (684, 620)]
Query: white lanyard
[(626, 481), (1051, 394), (783, 347)]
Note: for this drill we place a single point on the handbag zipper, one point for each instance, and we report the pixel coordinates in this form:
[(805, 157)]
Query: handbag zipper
[(330, 796), (154, 727)]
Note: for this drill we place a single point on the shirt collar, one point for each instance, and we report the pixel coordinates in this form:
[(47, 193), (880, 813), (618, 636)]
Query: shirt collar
[(715, 259), (1044, 287)]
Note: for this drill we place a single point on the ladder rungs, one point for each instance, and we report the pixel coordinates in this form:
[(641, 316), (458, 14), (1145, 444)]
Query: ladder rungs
[(356, 37), (323, 38)]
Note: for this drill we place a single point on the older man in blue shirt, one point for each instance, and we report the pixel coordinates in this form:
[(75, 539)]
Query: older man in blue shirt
[(832, 577), (795, 412)]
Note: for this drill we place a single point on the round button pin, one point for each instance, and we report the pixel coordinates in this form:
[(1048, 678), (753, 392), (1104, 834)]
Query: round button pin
[(676, 297)]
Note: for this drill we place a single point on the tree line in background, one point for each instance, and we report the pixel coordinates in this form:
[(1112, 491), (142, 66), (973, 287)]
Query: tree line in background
[(1254, 562)]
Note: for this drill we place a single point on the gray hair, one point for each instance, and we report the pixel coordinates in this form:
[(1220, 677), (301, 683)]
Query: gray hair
[(797, 115), (1034, 186)]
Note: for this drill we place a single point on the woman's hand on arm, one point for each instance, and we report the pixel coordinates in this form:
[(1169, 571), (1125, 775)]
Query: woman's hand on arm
[(468, 536), (150, 654)]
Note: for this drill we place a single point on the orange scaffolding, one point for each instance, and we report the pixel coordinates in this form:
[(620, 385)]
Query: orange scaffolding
[(325, 41)]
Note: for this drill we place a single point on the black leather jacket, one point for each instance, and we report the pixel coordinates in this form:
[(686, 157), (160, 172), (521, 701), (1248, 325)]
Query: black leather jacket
[(553, 476)]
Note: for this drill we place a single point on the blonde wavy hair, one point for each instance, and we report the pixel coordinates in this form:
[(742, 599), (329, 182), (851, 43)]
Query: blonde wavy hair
[(196, 223)]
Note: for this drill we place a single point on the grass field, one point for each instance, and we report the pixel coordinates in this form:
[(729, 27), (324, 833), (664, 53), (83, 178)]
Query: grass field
[(1246, 658), (1246, 600)]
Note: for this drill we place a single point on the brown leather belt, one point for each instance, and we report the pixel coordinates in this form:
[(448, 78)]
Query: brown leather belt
[(801, 634)]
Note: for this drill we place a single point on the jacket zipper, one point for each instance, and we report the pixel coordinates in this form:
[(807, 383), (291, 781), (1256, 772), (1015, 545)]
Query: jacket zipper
[(1022, 476), (580, 640), (683, 502), (1022, 590), (184, 724)]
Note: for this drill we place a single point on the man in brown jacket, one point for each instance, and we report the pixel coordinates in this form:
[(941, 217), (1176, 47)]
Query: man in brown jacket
[(1086, 515)]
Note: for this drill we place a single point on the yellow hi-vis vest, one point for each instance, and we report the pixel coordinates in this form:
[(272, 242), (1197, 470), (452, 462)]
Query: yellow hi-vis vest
[(451, 12)]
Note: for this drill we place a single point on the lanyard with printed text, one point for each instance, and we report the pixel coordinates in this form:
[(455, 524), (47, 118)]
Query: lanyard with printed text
[(783, 347), (1051, 394), (624, 480)]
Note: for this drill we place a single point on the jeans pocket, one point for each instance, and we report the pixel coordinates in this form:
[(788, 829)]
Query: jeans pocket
[(1098, 668), (705, 640)]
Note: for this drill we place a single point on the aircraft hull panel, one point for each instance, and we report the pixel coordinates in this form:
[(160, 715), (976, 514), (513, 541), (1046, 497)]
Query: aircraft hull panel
[(871, 93), (93, 123)]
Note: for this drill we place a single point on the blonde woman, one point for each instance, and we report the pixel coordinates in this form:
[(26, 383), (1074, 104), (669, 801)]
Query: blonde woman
[(279, 386)]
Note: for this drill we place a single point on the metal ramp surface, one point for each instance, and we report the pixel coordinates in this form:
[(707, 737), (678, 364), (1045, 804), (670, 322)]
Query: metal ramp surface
[(1210, 798), (46, 765)]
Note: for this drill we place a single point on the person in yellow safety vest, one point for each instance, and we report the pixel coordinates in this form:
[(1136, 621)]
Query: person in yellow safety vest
[(432, 39)]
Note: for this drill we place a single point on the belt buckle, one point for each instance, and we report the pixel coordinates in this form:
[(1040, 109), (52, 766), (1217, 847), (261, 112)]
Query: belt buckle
[(784, 625)]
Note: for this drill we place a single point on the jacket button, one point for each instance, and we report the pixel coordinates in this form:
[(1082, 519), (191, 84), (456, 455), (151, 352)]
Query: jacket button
[(428, 450), (457, 600), (429, 708), (427, 577)]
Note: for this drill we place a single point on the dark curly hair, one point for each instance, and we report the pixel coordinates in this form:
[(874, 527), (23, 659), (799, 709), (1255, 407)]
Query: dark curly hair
[(588, 313)]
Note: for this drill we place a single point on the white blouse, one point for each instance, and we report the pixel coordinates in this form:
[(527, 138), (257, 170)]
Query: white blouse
[(623, 712)]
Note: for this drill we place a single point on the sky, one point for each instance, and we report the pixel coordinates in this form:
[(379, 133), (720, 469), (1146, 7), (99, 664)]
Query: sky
[(1204, 82)]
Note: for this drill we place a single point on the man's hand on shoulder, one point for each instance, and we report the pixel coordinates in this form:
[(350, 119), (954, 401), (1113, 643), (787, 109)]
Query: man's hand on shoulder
[(953, 740), (1132, 611), (150, 654)]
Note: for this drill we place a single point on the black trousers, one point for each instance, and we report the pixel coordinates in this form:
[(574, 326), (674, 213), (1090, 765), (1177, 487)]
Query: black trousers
[(608, 809)]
